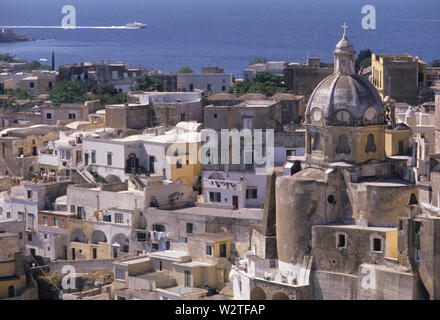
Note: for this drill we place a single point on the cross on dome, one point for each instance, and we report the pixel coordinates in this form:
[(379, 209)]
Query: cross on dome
[(345, 27)]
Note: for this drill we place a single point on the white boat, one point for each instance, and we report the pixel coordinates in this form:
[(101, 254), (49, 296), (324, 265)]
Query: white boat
[(136, 25)]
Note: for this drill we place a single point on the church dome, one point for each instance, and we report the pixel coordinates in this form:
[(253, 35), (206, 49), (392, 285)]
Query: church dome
[(345, 98)]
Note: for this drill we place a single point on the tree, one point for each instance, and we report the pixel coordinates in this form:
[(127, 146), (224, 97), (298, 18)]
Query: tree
[(363, 59), (148, 83), (36, 65), (108, 94), (258, 60), (69, 92), (20, 94), (8, 58), (435, 63), (264, 82), (185, 69)]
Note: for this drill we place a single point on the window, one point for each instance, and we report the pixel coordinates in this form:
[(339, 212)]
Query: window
[(120, 274), (72, 208), (119, 218), (251, 193), (141, 236), (80, 212), (55, 221), (370, 147), (316, 142), (72, 116), (191, 87), (377, 245), (290, 153), (48, 248), (182, 116), (29, 237), (343, 146), (158, 228), (215, 196), (20, 235), (209, 250), (215, 115), (178, 163), (341, 240), (223, 88), (30, 221), (208, 87), (109, 158), (29, 194), (48, 116), (45, 236), (160, 265), (45, 220), (247, 123), (62, 223), (93, 156), (20, 216), (20, 151), (8, 215), (31, 85), (189, 228)]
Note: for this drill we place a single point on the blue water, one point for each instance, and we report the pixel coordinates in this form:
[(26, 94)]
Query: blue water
[(220, 32)]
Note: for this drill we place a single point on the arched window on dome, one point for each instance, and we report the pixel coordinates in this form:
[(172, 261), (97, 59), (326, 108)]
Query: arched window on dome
[(316, 141), (343, 145), (370, 147)]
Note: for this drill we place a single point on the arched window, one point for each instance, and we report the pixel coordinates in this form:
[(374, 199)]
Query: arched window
[(343, 145), (413, 199), (370, 147)]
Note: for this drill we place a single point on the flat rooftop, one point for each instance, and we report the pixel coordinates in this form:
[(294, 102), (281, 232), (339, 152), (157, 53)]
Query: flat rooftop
[(244, 213), (193, 264), (209, 236), (355, 227), (169, 254), (155, 276), (182, 290), (136, 260)]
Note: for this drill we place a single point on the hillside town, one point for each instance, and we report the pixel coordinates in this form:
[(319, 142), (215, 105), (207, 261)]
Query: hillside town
[(305, 180)]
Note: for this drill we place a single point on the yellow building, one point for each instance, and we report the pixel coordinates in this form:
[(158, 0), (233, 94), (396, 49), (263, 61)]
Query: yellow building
[(186, 167), (398, 77), (12, 272), (397, 140)]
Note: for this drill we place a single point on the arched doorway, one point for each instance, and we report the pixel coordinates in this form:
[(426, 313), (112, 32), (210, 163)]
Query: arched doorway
[(78, 235), (280, 296), (258, 294), (123, 242), (132, 163), (98, 236)]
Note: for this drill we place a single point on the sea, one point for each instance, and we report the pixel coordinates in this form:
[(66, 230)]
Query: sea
[(225, 33)]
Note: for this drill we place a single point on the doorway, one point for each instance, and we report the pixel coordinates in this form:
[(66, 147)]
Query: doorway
[(187, 278), (235, 202), (73, 254), (400, 147)]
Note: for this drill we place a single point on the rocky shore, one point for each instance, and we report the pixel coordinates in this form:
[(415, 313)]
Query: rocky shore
[(7, 35)]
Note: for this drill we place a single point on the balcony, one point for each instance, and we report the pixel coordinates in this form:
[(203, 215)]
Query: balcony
[(48, 159), (237, 186)]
